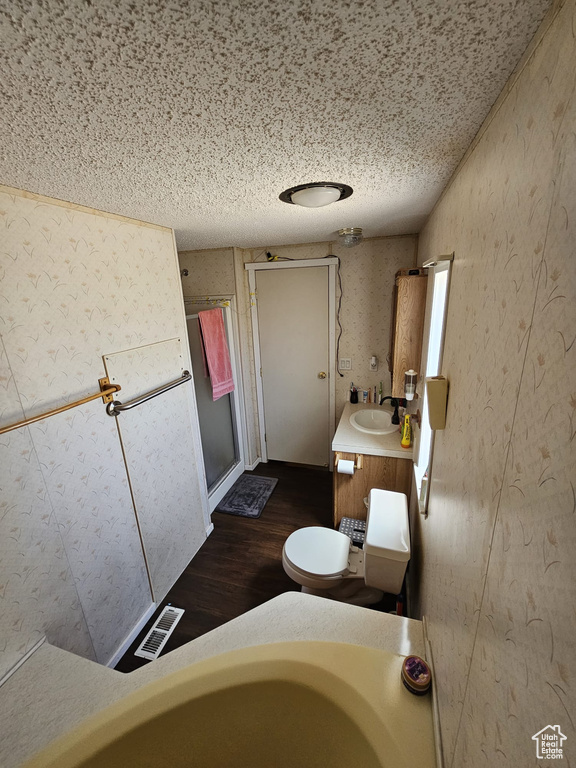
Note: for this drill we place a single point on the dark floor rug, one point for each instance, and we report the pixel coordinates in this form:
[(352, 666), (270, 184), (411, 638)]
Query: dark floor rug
[(248, 496)]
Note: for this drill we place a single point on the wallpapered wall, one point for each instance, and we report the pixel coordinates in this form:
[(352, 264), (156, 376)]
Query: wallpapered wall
[(210, 272), (75, 285), (497, 570), (367, 270)]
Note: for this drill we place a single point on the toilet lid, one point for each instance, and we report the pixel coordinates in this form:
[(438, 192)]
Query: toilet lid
[(320, 551)]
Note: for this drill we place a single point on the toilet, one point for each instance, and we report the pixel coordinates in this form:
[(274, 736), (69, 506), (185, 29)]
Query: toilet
[(325, 562)]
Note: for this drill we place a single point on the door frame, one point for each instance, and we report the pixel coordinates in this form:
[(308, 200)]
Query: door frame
[(330, 262), (227, 304)]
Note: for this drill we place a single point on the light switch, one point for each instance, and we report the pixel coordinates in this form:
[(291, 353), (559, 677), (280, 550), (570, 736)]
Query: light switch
[(345, 364)]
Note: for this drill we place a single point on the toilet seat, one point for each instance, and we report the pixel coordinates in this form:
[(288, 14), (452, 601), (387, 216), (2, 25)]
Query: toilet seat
[(318, 551), (326, 564)]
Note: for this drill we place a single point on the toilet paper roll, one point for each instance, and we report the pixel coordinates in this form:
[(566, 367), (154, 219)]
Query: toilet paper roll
[(345, 467)]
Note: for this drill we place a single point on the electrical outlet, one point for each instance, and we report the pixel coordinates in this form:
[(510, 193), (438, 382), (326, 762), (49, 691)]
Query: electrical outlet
[(345, 364)]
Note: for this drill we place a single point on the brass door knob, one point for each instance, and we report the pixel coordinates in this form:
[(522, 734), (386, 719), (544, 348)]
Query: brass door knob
[(322, 375)]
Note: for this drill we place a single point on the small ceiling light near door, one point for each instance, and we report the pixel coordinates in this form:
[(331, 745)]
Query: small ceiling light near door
[(351, 236), (316, 194)]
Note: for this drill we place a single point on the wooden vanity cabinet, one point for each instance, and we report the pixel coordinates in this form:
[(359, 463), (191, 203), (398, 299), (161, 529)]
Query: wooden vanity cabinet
[(384, 472), (407, 325)]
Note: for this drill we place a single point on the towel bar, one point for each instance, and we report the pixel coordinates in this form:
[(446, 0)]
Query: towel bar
[(106, 392), (115, 407)]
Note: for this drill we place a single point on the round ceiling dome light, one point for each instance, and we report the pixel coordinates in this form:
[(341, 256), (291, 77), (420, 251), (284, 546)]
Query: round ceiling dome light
[(316, 194)]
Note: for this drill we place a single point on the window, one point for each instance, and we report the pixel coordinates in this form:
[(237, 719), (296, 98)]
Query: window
[(432, 348)]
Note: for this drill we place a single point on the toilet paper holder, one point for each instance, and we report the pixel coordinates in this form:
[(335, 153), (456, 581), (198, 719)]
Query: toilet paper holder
[(357, 462)]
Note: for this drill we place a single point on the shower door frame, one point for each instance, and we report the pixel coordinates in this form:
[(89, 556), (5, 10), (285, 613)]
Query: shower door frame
[(227, 303)]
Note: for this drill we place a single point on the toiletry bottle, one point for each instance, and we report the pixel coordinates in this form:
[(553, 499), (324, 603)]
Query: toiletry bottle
[(406, 441)]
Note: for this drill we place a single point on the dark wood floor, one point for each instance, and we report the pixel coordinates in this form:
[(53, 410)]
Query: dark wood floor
[(240, 565)]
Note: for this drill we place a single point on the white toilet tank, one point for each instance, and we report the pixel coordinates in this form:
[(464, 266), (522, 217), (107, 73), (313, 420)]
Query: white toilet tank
[(387, 541)]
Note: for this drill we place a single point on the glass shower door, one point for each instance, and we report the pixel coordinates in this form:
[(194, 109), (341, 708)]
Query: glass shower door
[(217, 419)]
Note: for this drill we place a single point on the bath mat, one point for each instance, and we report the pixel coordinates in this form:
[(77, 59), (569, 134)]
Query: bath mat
[(248, 496)]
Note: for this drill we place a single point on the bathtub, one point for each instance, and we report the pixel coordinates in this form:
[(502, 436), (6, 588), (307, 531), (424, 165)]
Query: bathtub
[(297, 704)]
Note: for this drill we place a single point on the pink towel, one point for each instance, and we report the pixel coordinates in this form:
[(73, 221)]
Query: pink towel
[(211, 324)]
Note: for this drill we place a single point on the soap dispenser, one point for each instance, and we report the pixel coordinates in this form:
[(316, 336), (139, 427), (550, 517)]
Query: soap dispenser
[(410, 384)]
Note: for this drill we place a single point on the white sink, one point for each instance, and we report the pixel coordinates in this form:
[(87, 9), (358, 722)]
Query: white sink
[(374, 421)]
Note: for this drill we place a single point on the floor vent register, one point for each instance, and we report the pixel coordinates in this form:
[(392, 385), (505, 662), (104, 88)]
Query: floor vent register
[(157, 638)]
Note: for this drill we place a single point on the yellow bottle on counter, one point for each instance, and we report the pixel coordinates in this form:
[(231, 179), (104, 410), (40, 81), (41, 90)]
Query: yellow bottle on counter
[(406, 441)]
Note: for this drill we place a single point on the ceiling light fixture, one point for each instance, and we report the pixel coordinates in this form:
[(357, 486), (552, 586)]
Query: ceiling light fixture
[(350, 236), (316, 194)]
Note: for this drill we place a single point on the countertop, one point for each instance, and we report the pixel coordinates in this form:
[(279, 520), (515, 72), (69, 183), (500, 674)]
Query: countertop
[(348, 439), (55, 690)]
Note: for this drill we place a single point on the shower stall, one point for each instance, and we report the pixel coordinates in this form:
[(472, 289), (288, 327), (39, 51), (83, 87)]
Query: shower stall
[(220, 420)]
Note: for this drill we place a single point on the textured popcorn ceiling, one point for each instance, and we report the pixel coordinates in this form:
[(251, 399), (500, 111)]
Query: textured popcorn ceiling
[(198, 114)]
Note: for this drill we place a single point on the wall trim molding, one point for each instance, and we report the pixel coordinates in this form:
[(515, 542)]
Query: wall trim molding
[(127, 642), (21, 661), (291, 264), (15, 192), (440, 763)]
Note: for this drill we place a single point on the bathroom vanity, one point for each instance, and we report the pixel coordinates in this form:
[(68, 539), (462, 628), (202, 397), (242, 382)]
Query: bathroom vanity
[(385, 464)]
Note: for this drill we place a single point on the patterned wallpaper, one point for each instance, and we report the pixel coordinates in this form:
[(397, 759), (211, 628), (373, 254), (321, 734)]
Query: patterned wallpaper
[(210, 272), (497, 572), (35, 571), (76, 285), (368, 276)]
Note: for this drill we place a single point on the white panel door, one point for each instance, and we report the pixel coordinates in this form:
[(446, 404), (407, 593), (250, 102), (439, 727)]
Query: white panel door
[(293, 325)]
